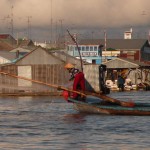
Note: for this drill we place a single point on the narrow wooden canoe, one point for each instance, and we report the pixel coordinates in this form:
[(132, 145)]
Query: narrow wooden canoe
[(140, 109)]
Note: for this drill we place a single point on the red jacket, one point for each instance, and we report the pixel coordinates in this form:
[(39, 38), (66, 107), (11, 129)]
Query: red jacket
[(79, 83)]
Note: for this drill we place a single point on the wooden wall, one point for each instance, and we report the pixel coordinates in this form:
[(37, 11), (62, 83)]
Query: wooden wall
[(7, 84), (54, 74), (92, 77)]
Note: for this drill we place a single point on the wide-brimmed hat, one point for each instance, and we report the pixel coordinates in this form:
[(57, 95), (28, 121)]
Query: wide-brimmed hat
[(69, 66)]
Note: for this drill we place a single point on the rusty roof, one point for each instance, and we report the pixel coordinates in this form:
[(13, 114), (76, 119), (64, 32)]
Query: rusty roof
[(5, 46)]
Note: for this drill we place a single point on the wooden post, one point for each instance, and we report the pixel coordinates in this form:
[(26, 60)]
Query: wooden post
[(136, 79)]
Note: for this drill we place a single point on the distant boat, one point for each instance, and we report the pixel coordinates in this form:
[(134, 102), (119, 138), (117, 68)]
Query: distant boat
[(140, 109)]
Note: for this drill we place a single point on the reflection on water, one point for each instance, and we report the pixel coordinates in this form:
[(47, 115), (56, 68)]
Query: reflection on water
[(74, 118), (49, 123)]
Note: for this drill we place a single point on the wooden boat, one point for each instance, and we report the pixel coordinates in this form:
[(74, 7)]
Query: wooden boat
[(140, 109)]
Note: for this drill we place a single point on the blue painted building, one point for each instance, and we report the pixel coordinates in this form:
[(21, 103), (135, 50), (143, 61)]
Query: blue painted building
[(89, 53), (92, 53)]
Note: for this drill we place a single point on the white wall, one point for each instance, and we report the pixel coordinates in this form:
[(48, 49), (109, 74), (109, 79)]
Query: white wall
[(4, 60)]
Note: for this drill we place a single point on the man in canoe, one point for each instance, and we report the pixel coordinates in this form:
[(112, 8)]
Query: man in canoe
[(79, 81)]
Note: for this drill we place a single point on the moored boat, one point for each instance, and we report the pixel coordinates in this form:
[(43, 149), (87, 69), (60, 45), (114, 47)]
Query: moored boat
[(140, 109)]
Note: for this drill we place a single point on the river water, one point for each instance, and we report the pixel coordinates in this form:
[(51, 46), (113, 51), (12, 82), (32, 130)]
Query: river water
[(49, 123)]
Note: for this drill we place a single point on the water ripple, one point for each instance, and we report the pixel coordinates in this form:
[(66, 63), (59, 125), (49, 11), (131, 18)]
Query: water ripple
[(48, 123)]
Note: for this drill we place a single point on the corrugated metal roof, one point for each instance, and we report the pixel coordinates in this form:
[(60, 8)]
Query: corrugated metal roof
[(25, 43), (20, 49), (8, 39), (124, 63), (47, 57), (66, 57), (8, 55), (119, 44), (4, 46)]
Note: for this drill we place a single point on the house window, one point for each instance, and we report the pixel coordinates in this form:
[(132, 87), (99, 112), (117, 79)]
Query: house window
[(79, 48), (83, 48), (95, 48), (70, 48), (91, 48), (87, 48), (75, 48)]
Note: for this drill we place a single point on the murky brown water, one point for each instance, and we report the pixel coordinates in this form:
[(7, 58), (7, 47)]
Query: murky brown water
[(48, 123)]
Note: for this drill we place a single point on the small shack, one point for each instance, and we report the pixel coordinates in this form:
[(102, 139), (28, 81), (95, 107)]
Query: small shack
[(137, 72), (45, 66)]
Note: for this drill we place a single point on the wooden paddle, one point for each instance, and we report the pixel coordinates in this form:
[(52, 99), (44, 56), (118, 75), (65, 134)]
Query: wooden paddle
[(112, 100), (104, 97), (40, 82)]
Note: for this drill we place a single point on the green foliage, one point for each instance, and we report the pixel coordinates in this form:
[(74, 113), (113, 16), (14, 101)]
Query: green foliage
[(111, 49), (50, 49)]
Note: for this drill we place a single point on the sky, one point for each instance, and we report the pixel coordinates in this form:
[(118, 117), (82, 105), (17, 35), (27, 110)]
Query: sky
[(46, 20)]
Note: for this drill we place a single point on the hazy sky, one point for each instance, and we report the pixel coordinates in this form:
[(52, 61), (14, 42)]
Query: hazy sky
[(88, 18)]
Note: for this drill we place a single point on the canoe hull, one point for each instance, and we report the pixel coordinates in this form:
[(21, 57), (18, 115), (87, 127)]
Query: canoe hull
[(138, 110)]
